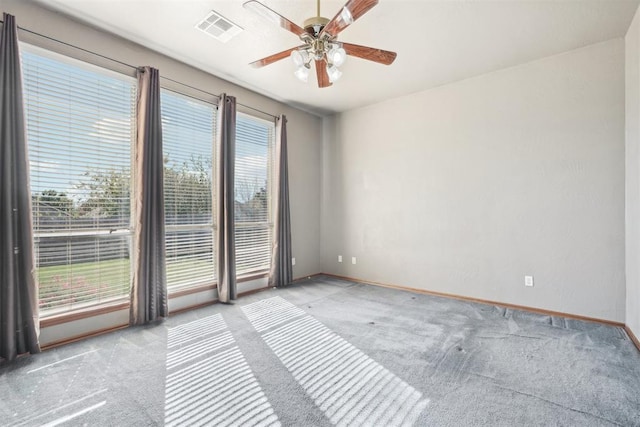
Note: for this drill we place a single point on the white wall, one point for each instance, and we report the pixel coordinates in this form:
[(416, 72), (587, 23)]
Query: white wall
[(304, 130), (466, 188), (632, 163)]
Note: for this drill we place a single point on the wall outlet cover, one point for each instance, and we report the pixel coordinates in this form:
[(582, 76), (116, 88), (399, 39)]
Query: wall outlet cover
[(339, 258), (293, 261), (353, 260), (528, 280)]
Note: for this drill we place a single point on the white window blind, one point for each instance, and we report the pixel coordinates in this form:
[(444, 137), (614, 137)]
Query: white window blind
[(80, 122), (253, 168), (188, 132)]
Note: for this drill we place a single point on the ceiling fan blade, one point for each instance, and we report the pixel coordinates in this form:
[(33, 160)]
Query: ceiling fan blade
[(274, 17), (321, 72), (372, 54), (274, 58), (349, 13)]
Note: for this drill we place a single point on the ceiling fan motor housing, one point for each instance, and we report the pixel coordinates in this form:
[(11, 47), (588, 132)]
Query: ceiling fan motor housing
[(314, 25)]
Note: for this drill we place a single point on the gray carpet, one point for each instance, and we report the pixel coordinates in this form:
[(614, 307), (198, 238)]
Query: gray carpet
[(330, 352)]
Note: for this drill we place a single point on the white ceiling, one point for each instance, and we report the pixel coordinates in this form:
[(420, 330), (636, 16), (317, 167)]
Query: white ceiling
[(437, 41)]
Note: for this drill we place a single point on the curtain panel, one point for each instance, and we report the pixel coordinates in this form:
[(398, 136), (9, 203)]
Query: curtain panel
[(149, 284), (281, 273), (18, 292), (225, 199)]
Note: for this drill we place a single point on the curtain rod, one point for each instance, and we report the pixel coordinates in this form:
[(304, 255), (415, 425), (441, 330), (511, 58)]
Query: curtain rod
[(132, 66)]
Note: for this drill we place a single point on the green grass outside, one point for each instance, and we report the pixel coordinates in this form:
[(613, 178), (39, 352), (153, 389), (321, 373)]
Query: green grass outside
[(82, 282), (97, 281)]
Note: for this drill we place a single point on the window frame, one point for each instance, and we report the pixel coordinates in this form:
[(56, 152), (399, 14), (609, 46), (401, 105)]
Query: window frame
[(94, 308), (85, 309), (201, 285), (269, 223)]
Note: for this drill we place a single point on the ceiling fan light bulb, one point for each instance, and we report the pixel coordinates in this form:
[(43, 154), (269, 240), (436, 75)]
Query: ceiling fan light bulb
[(334, 73), (302, 73), (337, 56), (297, 58), (346, 16)]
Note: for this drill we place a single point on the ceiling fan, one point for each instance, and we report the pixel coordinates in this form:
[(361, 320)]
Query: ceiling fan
[(319, 36)]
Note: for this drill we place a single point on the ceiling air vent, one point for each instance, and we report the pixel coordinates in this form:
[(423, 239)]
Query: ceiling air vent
[(218, 27)]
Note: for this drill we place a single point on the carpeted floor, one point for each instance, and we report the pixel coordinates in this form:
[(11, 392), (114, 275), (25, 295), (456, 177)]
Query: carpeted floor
[(330, 352)]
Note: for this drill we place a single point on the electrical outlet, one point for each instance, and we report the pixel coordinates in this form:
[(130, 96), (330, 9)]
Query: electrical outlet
[(339, 258), (353, 260), (528, 280), (293, 261)]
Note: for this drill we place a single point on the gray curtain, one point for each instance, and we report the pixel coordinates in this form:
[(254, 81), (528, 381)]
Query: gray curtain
[(225, 201), (149, 286), (18, 292), (281, 270)]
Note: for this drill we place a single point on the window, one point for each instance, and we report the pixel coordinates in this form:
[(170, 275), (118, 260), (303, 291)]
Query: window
[(80, 122), (254, 157), (80, 131), (188, 139)]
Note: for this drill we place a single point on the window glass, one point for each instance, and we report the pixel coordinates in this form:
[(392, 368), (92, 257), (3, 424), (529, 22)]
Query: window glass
[(254, 159), (79, 121), (188, 139)]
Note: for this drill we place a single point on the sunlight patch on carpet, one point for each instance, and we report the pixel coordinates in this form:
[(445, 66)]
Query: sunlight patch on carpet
[(209, 381), (347, 385)]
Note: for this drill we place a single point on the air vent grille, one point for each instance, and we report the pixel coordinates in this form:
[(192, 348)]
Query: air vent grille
[(218, 27)]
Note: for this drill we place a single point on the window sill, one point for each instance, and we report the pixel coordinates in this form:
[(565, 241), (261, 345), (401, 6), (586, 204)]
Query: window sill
[(84, 313), (253, 276), (202, 288), (121, 304)]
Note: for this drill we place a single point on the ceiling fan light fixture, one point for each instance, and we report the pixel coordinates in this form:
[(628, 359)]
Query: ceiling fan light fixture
[(334, 73), (302, 73), (299, 57), (319, 38), (337, 56)]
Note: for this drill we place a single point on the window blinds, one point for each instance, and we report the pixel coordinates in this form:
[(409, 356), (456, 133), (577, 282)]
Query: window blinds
[(188, 139), (80, 122), (80, 128), (254, 158)]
